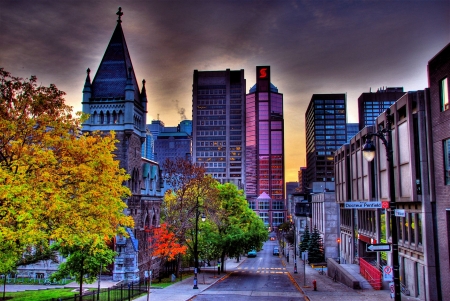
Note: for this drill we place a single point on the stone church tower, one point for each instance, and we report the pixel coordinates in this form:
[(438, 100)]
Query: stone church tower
[(115, 103)]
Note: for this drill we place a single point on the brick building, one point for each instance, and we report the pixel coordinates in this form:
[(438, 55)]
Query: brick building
[(439, 110)]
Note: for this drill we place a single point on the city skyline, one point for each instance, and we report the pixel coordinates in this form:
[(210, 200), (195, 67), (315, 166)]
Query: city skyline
[(312, 48)]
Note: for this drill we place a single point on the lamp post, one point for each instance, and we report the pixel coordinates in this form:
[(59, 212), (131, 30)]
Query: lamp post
[(197, 215), (385, 135), (295, 248)]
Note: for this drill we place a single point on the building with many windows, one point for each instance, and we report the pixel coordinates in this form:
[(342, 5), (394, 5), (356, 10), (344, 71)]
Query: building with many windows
[(326, 131), (264, 159), (218, 127), (352, 130), (439, 107), (371, 105)]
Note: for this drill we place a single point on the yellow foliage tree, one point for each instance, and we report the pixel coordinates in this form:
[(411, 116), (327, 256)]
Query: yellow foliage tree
[(55, 184)]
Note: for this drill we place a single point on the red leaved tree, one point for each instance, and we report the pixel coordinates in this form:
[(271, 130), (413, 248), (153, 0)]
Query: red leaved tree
[(162, 244)]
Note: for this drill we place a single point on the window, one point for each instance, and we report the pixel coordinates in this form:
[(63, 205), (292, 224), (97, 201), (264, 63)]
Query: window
[(444, 94), (447, 161)]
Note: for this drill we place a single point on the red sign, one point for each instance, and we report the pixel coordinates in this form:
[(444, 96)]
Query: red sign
[(385, 204), (263, 73)]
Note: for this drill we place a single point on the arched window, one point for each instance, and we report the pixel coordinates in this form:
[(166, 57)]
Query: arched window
[(108, 118), (102, 118), (114, 116)]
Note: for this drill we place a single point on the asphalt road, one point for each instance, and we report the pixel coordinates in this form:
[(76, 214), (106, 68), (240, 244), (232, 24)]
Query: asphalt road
[(262, 278)]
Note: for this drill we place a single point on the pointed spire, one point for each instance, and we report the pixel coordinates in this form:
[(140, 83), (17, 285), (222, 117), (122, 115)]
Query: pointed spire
[(87, 83), (143, 92), (120, 14)]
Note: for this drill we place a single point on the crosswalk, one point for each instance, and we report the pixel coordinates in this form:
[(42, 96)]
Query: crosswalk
[(262, 270)]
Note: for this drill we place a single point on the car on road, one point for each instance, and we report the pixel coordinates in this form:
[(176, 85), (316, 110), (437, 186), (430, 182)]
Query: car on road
[(272, 238), (252, 253), (276, 251)]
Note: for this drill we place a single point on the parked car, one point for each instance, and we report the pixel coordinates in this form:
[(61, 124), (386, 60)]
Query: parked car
[(276, 251), (252, 253), (272, 238)]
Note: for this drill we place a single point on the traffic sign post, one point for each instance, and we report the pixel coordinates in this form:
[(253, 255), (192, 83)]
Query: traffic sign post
[(378, 248), (388, 273)]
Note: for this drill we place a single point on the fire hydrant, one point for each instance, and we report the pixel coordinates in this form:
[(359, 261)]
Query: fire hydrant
[(315, 285)]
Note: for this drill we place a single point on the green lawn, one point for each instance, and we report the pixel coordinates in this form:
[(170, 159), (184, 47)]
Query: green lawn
[(38, 295), (42, 295)]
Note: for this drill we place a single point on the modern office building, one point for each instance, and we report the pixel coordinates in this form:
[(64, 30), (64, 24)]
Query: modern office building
[(352, 130), (439, 107), (302, 180), (169, 142), (326, 131), (218, 126), (172, 145), (372, 104), (264, 159)]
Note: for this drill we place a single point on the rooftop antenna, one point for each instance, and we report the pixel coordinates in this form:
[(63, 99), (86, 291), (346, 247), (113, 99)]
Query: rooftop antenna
[(157, 116)]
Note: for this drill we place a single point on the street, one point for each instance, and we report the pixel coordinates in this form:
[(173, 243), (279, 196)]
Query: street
[(261, 278)]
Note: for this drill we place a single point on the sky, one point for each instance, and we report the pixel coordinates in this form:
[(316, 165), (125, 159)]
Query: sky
[(312, 47)]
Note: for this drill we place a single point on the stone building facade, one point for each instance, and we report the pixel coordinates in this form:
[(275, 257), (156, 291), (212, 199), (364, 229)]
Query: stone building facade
[(114, 102)]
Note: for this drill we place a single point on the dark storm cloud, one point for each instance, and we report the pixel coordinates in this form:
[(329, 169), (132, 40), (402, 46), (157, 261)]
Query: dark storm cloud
[(311, 46)]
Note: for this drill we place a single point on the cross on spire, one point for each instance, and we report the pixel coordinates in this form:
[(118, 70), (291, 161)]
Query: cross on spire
[(119, 13)]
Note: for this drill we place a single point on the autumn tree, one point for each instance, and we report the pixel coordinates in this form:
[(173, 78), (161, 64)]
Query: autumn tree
[(192, 193), (163, 245), (55, 184)]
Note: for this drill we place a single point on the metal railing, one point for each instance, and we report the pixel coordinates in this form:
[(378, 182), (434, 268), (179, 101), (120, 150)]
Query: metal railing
[(120, 292)]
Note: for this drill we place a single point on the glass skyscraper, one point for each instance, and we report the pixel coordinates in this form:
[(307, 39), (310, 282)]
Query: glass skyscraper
[(264, 164), (372, 104), (326, 131)]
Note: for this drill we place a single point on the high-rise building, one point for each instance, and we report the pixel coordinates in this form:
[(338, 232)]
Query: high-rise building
[(218, 126), (371, 105), (264, 165), (326, 131), (352, 130), (302, 180)]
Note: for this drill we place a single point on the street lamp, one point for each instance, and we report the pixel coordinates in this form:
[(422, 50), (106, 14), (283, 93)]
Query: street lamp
[(385, 135), (295, 248), (197, 215)]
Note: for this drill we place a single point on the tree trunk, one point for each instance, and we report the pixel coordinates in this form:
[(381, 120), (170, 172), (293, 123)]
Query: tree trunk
[(222, 258), (81, 280)]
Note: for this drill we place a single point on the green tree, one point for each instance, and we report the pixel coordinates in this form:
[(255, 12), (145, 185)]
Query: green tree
[(83, 261), (315, 248), (239, 228), (305, 240), (55, 184)]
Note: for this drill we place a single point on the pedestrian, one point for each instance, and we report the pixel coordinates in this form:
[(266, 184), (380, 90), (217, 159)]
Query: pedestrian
[(218, 267)]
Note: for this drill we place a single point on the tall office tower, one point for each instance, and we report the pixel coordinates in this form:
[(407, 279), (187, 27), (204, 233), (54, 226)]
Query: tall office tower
[(264, 164), (218, 125), (172, 144), (326, 131), (302, 180), (352, 130), (371, 105)]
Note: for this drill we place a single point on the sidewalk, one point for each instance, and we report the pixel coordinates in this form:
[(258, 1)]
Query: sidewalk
[(329, 290), (183, 290)]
